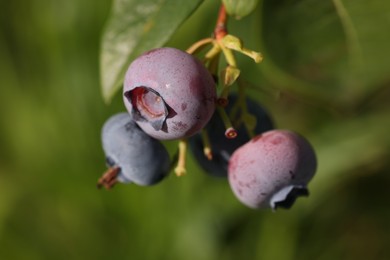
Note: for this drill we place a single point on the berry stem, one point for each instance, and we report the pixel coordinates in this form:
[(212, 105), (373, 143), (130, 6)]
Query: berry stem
[(220, 28), (198, 45), (229, 76), (213, 52), (220, 32), (206, 144), (224, 95), (241, 97), (212, 66), (230, 131), (180, 169), (109, 178), (229, 56), (245, 115)]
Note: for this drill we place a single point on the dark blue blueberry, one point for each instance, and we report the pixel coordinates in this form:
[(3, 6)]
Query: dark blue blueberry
[(222, 147)]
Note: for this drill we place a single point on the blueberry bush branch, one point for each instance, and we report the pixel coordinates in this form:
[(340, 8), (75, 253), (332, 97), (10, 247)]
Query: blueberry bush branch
[(221, 42)]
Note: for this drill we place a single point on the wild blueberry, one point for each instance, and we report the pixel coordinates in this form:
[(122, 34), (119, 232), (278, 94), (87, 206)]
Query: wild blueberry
[(132, 155), (272, 169), (223, 148), (169, 93)]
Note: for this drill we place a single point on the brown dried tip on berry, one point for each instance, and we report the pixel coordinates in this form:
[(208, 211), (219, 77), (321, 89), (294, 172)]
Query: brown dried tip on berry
[(109, 178), (222, 102), (231, 133)]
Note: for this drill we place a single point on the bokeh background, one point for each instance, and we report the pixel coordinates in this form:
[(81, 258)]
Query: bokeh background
[(325, 75)]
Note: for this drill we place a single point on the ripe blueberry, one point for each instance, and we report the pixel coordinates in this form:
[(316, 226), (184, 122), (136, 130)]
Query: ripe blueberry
[(222, 147), (132, 155), (272, 169), (169, 93)]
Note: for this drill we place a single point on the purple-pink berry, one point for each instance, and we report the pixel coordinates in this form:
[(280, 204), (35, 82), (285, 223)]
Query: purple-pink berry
[(169, 93), (272, 169)]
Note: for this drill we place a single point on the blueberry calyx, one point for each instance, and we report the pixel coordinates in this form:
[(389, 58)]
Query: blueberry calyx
[(148, 106), (286, 197)]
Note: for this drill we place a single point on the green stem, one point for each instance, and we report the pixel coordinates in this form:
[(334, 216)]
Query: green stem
[(230, 132), (180, 169), (229, 55), (244, 109), (206, 145), (198, 45)]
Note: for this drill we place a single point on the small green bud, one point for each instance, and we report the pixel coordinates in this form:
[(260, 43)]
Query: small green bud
[(230, 75), (239, 8)]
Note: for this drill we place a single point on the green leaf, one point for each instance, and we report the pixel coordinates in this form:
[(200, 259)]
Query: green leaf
[(239, 8), (336, 49), (133, 28), (346, 147)]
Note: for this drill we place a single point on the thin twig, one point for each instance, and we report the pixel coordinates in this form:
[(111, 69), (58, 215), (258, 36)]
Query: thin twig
[(220, 28)]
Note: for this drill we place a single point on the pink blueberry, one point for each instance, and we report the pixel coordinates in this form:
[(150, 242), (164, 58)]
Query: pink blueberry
[(169, 93), (272, 169)]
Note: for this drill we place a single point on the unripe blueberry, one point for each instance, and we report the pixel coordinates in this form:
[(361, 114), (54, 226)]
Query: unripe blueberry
[(272, 169), (222, 147), (138, 157), (169, 93)]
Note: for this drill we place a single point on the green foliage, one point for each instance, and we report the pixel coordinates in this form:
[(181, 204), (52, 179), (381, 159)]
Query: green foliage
[(328, 60), (330, 50), (240, 9), (135, 27)]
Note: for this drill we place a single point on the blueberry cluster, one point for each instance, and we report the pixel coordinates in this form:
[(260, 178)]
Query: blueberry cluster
[(171, 95)]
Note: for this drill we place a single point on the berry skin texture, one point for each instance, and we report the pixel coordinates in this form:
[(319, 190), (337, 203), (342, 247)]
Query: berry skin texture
[(272, 169), (222, 147), (169, 93), (139, 158)]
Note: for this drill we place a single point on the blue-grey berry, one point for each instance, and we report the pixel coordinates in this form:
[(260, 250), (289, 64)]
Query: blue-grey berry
[(132, 155)]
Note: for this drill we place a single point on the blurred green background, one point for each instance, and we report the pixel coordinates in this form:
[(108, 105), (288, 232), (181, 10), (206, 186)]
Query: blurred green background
[(325, 75)]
